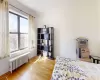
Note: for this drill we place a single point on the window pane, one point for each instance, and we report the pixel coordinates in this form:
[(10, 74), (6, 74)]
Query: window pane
[(23, 25), (13, 42), (13, 23), (23, 40)]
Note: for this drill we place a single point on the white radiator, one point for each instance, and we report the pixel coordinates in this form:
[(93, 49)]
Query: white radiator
[(18, 61)]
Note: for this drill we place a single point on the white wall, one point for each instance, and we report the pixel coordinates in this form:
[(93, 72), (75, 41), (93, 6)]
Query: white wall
[(4, 66), (72, 19), (4, 63), (86, 23)]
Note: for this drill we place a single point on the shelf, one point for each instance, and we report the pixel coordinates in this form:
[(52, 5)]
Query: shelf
[(43, 33), (39, 39), (38, 44), (45, 40), (40, 50)]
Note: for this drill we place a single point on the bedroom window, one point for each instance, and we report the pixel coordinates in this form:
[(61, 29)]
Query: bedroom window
[(18, 32)]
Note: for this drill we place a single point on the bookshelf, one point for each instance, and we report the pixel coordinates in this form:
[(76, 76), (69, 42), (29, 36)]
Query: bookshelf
[(45, 42)]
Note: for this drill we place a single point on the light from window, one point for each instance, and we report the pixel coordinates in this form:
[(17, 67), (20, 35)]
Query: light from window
[(13, 23), (13, 42), (23, 24), (18, 27), (23, 40)]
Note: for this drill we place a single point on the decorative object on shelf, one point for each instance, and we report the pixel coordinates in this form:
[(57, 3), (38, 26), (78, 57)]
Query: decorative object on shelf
[(82, 49), (45, 26), (45, 42)]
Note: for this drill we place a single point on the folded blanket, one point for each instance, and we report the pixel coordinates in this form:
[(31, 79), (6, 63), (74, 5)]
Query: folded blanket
[(67, 69)]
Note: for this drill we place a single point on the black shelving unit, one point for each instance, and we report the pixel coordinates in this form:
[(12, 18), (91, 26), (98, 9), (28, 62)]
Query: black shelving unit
[(45, 42)]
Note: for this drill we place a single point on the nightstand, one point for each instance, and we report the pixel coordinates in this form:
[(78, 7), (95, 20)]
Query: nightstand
[(95, 59)]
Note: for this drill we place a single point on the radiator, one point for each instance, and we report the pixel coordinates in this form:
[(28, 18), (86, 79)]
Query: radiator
[(18, 61)]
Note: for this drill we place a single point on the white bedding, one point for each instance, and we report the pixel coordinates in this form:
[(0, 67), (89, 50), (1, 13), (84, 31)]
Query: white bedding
[(91, 70), (67, 69)]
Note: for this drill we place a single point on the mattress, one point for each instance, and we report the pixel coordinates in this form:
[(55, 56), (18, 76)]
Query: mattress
[(67, 69)]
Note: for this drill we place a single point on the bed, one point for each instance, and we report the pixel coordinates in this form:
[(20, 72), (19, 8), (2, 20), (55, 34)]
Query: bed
[(67, 69)]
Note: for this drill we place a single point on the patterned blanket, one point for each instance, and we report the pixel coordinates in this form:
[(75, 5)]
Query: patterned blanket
[(67, 69)]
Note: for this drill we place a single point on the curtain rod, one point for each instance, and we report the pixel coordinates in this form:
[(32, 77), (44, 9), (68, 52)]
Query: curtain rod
[(20, 10)]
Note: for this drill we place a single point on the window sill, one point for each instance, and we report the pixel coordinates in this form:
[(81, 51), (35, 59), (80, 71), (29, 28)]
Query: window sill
[(12, 59), (19, 52)]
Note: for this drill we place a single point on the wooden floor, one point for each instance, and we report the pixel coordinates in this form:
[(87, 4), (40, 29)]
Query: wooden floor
[(37, 69)]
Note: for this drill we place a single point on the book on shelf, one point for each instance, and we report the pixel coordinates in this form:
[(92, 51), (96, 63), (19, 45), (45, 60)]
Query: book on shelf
[(44, 30), (45, 42)]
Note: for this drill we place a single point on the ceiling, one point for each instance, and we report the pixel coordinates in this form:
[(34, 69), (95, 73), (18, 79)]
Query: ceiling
[(42, 5)]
